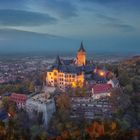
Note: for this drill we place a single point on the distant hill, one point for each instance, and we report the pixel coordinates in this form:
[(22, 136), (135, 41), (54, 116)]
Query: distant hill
[(132, 61)]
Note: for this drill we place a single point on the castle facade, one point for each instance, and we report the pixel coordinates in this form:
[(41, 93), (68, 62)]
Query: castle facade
[(65, 73)]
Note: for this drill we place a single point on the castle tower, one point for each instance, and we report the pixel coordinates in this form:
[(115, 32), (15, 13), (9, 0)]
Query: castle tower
[(81, 55), (58, 61)]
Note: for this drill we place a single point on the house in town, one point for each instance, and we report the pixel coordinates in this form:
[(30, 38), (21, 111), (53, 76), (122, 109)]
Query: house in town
[(101, 90)]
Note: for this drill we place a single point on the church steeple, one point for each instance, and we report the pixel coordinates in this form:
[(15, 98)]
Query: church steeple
[(81, 48)]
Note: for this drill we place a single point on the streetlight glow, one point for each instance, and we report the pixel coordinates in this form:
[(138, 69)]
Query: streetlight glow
[(102, 73)]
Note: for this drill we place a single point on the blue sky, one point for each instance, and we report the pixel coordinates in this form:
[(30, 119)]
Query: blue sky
[(60, 25)]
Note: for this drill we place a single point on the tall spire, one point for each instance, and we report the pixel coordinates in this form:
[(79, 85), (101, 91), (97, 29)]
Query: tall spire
[(81, 48), (58, 61)]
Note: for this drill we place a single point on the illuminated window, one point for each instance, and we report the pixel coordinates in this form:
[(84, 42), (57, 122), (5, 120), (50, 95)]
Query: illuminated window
[(55, 73)]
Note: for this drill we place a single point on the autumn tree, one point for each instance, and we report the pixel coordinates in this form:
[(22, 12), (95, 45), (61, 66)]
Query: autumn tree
[(63, 101), (2, 130), (12, 109)]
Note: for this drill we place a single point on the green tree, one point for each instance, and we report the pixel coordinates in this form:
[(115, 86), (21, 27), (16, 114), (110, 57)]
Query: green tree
[(136, 84), (128, 89), (124, 78), (5, 102), (31, 87)]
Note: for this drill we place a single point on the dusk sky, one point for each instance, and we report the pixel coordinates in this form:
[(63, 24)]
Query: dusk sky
[(60, 25)]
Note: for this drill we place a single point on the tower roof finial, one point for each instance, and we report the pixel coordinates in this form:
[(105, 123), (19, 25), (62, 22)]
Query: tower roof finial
[(81, 47)]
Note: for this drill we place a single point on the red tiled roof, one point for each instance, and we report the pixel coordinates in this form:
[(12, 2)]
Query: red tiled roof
[(18, 97), (101, 88)]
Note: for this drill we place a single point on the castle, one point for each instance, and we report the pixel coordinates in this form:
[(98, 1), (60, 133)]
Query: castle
[(65, 73)]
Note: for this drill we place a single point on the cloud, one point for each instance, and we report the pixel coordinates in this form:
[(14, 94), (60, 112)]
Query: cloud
[(107, 18), (8, 4), (14, 33), (103, 1), (15, 41), (24, 18), (129, 4), (62, 8), (110, 1), (119, 26), (115, 23)]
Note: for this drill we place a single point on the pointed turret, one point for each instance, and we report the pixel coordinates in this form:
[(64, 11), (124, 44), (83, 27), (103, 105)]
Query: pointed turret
[(81, 48), (58, 61)]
